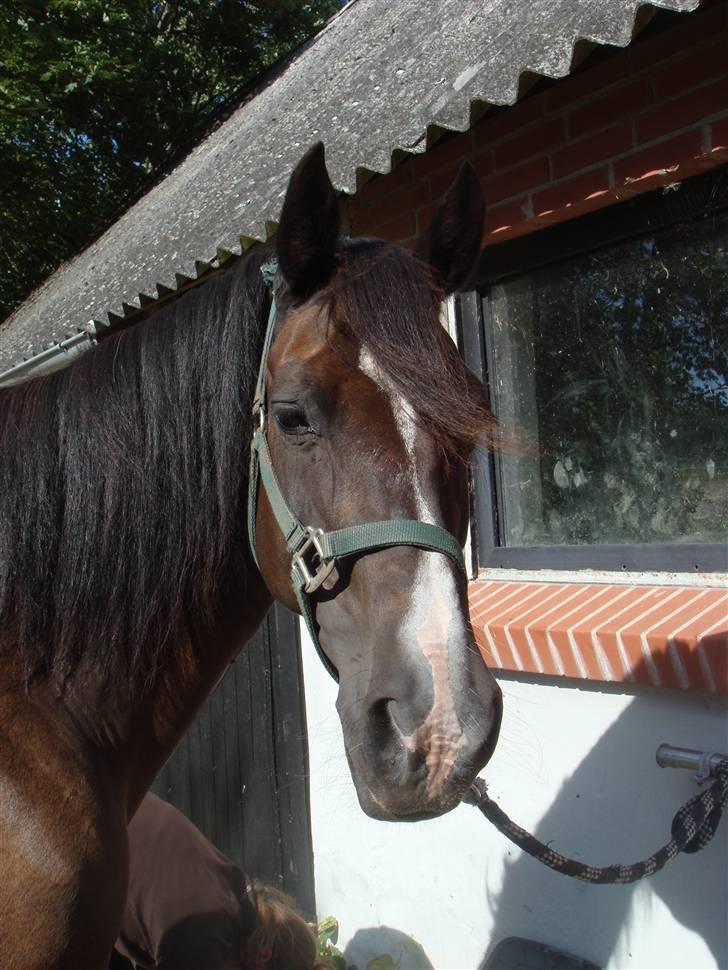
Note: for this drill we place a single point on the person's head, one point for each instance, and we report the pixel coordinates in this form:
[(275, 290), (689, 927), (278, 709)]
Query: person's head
[(282, 939)]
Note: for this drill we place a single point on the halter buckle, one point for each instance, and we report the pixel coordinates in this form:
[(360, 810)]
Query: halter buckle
[(317, 569), (259, 416)]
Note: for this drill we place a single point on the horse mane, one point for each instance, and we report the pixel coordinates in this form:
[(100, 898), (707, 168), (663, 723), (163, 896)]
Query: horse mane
[(123, 476), (389, 300), (122, 484)]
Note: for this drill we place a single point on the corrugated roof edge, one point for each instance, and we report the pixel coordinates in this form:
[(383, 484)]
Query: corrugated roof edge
[(582, 46)]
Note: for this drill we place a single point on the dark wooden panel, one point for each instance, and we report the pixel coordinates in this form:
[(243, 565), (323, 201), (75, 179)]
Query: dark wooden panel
[(241, 772)]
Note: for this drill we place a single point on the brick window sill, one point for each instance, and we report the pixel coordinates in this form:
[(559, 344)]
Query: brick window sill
[(659, 636)]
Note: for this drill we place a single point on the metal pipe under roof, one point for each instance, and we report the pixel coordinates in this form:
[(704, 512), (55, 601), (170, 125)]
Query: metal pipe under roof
[(52, 358)]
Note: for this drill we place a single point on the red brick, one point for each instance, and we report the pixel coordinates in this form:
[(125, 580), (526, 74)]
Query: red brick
[(624, 100), (587, 82), (358, 213), (517, 229), (685, 649), (383, 185), (359, 208), (401, 227), (360, 227), (517, 180), (684, 169), (599, 200), (424, 215), (683, 112), (699, 66), (709, 159), (500, 123), (442, 155), (715, 646), (500, 218), (665, 155), (719, 133), (533, 140), (688, 31), (441, 181), (382, 209), (589, 151), (571, 191), (483, 163)]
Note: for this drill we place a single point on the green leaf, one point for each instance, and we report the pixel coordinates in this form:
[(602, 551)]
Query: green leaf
[(98, 95), (328, 929)]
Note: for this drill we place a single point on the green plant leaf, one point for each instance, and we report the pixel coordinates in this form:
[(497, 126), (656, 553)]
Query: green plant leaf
[(328, 929), (98, 95)]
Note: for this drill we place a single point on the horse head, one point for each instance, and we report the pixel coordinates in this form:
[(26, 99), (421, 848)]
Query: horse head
[(371, 415)]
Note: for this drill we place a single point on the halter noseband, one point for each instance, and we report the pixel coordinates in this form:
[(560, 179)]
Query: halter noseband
[(314, 552)]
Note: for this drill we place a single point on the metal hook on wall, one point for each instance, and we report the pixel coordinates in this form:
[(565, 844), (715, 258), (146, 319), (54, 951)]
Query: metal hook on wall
[(704, 763)]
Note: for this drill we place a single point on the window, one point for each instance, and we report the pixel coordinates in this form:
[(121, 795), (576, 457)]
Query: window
[(604, 344)]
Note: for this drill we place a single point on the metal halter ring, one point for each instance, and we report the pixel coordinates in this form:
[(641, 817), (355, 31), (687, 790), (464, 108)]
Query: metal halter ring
[(259, 417), (316, 571)]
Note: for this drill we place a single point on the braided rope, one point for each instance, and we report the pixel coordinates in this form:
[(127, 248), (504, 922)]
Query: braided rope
[(693, 826)]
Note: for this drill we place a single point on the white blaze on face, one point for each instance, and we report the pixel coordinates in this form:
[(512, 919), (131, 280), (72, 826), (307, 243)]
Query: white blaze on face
[(434, 624)]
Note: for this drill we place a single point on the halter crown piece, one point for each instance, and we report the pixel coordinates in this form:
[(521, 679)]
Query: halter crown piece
[(313, 551)]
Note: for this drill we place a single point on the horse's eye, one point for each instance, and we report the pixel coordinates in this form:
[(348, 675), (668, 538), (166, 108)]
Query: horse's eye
[(291, 419)]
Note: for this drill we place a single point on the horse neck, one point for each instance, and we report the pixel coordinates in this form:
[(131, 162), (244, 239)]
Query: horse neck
[(123, 585), (145, 732)]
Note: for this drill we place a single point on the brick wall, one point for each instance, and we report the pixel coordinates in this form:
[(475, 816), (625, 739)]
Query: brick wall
[(650, 115)]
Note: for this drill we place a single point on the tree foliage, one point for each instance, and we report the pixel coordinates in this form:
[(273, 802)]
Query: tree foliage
[(98, 95)]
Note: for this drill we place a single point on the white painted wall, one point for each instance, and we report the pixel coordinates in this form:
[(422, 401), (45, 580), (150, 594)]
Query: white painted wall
[(576, 767)]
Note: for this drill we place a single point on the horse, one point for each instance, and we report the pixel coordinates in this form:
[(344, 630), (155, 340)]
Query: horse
[(127, 583)]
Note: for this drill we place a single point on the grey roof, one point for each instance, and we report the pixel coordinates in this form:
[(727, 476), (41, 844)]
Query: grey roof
[(384, 76)]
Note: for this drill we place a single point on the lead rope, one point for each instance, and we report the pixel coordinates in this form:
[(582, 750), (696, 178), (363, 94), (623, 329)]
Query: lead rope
[(693, 826)]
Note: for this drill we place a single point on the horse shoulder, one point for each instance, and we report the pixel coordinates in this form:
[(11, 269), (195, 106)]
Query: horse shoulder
[(63, 848)]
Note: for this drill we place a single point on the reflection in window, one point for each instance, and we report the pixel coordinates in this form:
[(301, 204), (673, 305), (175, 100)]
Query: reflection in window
[(611, 373)]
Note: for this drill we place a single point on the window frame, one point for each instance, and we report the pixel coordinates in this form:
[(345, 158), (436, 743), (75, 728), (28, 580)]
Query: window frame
[(667, 207)]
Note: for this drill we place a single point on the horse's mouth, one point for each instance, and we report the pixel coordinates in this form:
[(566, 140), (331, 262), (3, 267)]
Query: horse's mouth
[(404, 812), (410, 803), (423, 774)]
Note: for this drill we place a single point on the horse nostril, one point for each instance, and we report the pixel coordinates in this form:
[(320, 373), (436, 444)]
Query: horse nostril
[(394, 717), (390, 722), (380, 708), (380, 718)]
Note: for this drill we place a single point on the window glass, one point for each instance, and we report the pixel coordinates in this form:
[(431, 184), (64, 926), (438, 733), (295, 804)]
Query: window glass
[(610, 378)]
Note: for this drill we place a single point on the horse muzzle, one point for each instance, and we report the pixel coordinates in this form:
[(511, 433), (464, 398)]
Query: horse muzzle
[(410, 774)]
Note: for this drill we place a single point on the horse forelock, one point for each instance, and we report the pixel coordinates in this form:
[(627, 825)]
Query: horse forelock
[(386, 300), (122, 484)]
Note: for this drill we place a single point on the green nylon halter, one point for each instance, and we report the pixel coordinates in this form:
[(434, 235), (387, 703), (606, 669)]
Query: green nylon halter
[(313, 551)]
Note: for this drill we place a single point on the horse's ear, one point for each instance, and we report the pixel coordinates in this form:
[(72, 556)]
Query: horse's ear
[(309, 226), (451, 243)]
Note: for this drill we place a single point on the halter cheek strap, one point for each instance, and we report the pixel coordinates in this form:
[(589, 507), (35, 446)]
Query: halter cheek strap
[(313, 551)]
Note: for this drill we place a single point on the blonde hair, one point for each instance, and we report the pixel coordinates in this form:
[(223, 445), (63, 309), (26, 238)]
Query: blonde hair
[(282, 939)]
